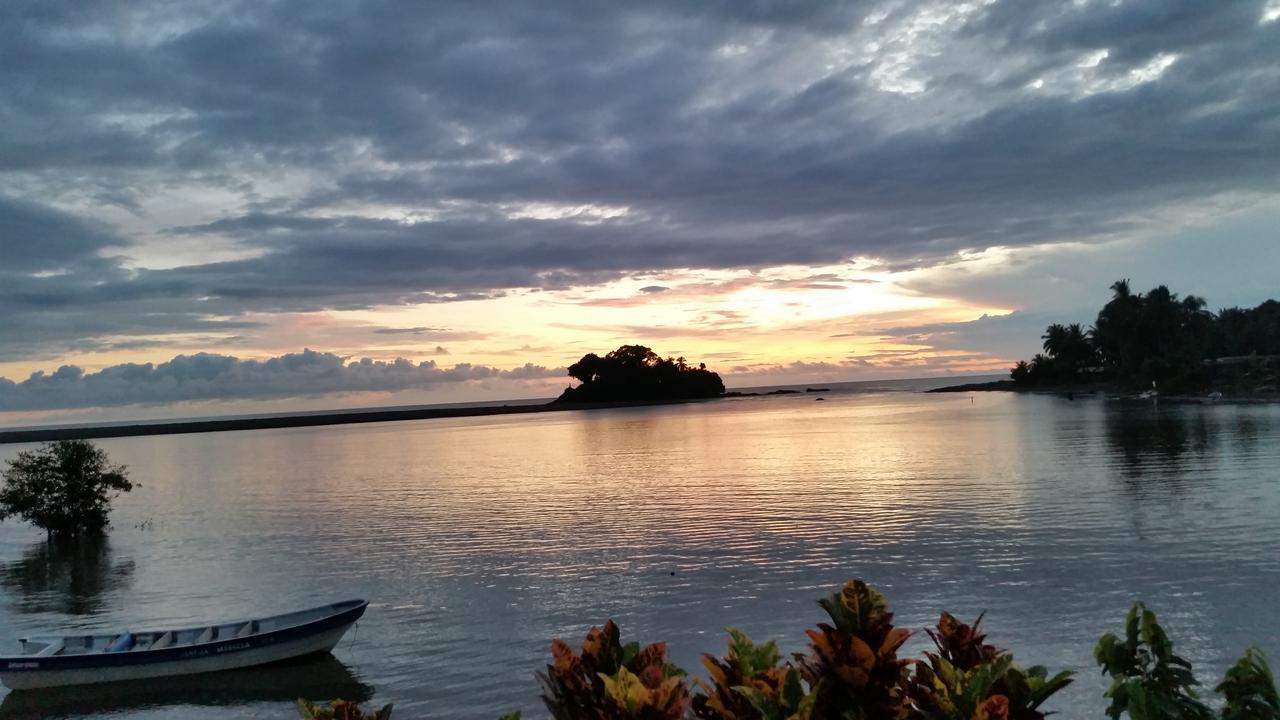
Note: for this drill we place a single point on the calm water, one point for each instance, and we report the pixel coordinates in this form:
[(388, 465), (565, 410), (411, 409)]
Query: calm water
[(480, 539)]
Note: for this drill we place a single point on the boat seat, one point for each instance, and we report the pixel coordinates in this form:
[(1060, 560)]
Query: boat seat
[(52, 648), (121, 643), (208, 635), (249, 628), (163, 641)]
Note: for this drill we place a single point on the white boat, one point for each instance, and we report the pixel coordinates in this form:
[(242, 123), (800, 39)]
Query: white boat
[(53, 661)]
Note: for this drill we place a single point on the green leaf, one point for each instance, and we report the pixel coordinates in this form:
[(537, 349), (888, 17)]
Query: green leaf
[(761, 702), (805, 711), (1119, 694), (1105, 651), (748, 657), (672, 670), (1249, 689), (792, 693), (984, 677), (1137, 701), (629, 652), (1051, 686)]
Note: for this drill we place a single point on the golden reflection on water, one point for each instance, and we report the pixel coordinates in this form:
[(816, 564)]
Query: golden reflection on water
[(479, 539)]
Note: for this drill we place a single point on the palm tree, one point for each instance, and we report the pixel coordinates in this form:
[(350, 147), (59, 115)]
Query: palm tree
[(1079, 351), (1115, 331), (1055, 339), (1069, 346), (1021, 372), (1120, 289)]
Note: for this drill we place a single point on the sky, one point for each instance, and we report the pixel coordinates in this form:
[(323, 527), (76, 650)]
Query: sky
[(226, 207)]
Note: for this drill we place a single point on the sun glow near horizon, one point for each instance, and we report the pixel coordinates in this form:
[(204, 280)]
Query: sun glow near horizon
[(754, 327)]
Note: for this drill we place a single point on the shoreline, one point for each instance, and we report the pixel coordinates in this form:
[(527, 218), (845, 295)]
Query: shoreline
[(384, 414), (316, 420), (1109, 392), (184, 427)]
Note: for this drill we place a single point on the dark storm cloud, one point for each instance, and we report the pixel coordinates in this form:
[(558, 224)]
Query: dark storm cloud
[(714, 125), (35, 239), (207, 376)]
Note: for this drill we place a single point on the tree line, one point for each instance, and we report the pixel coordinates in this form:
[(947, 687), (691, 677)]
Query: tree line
[(1138, 339)]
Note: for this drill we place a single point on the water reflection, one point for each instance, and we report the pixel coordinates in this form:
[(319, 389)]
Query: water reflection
[(1249, 430), (1143, 437), (72, 577), (479, 539), (316, 678)]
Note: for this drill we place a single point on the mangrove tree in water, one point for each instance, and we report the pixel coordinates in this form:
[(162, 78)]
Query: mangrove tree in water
[(65, 488)]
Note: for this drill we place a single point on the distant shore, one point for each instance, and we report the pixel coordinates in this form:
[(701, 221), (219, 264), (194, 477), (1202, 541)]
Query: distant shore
[(1011, 386), (391, 414), (288, 421), (1105, 389), (179, 427)]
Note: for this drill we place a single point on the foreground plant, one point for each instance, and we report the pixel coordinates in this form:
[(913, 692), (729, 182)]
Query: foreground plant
[(853, 666), (853, 672), (1250, 689), (1149, 682), (340, 710), (968, 678), (612, 681), (750, 684)]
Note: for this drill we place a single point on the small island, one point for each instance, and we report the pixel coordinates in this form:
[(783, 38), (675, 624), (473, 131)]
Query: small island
[(630, 375), (634, 373)]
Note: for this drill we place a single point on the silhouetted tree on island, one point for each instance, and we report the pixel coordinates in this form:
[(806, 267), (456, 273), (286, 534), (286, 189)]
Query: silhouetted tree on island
[(1158, 338), (634, 372), (1068, 351)]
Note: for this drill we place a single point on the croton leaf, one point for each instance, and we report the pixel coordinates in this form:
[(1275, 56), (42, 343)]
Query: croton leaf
[(995, 707), (626, 689)]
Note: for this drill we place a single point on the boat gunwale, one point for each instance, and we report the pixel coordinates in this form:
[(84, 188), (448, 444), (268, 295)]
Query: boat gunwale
[(177, 653)]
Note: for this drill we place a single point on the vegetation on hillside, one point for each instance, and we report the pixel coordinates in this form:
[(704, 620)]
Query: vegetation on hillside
[(634, 373), (64, 488), (1137, 340), (852, 671)]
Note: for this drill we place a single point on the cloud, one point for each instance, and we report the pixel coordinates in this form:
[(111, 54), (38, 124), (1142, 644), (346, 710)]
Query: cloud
[(1016, 335), (207, 376), (422, 330), (38, 239), (886, 365), (1228, 260), (364, 155)]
